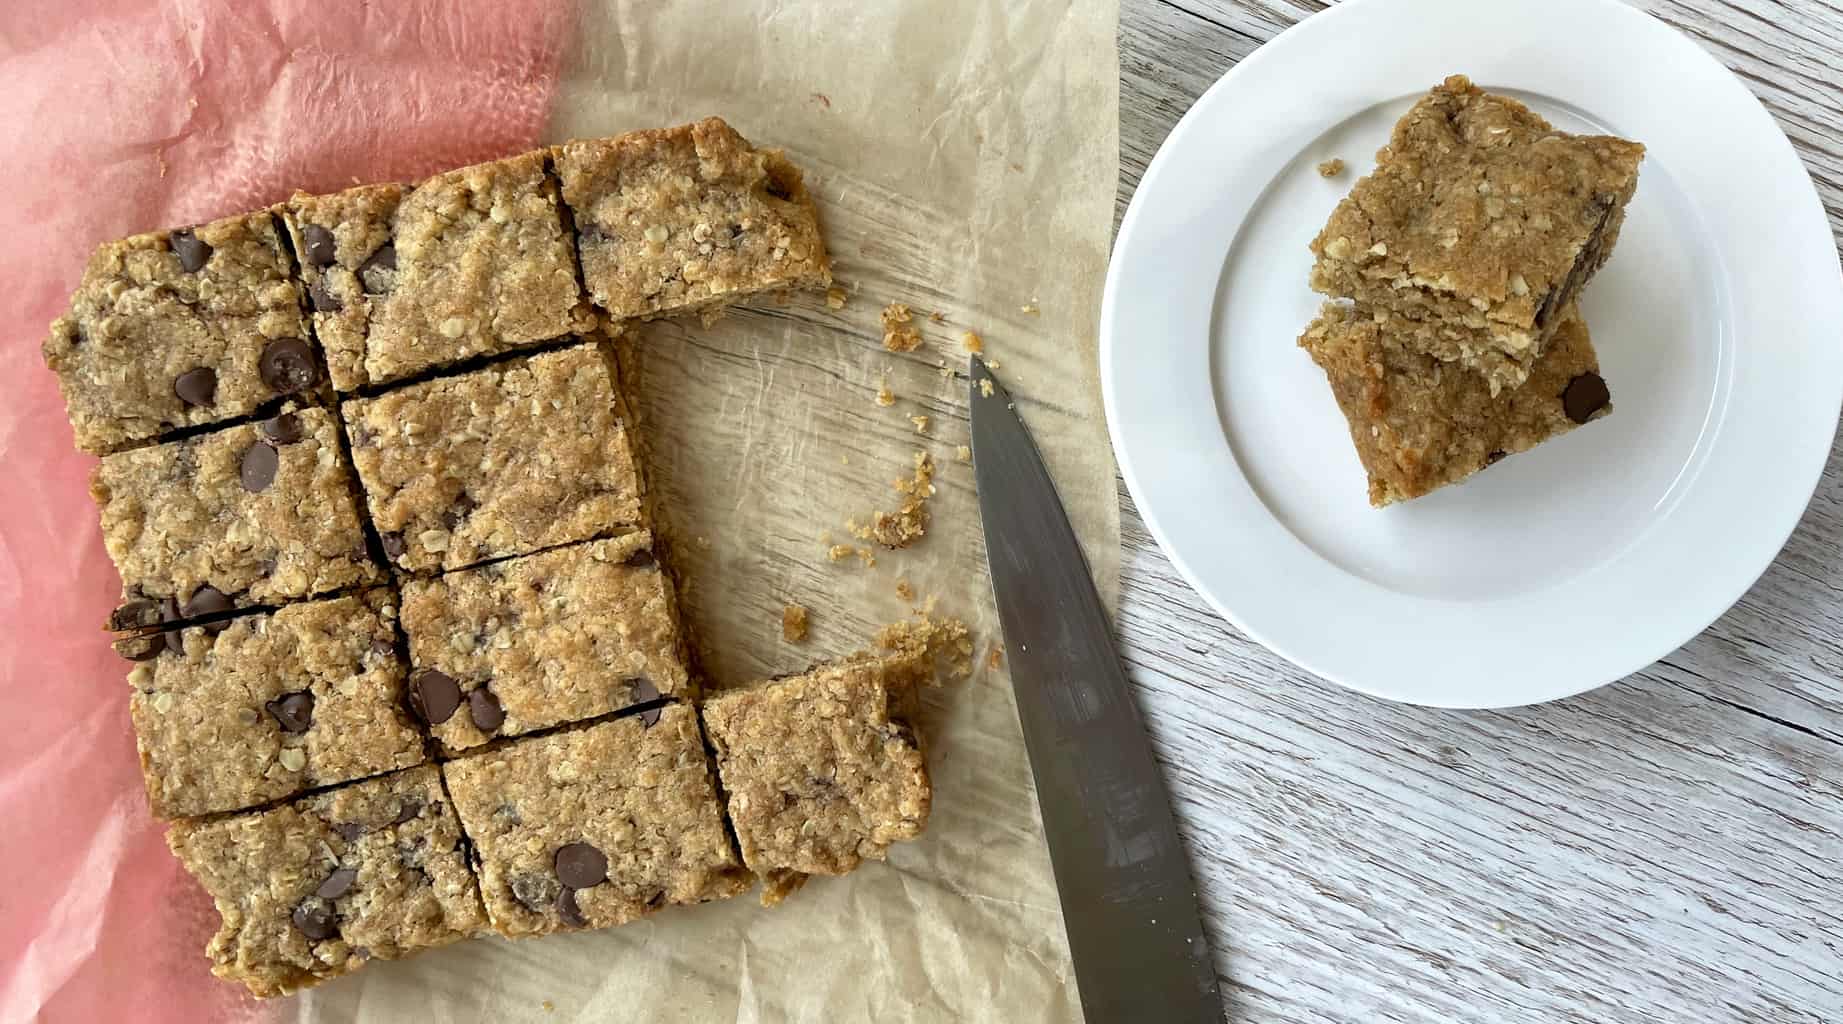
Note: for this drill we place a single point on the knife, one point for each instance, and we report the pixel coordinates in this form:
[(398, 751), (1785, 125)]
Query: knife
[(1128, 902)]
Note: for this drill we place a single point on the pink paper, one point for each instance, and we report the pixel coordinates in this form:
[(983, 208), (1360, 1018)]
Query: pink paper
[(120, 118)]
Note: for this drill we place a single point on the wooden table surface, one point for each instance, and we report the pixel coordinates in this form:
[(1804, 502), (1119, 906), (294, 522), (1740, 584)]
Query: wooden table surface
[(1667, 848)]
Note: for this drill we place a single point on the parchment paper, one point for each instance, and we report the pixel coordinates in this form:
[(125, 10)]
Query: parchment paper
[(964, 154)]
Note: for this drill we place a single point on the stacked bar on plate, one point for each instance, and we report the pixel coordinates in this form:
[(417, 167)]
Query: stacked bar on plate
[(409, 665), (1452, 337)]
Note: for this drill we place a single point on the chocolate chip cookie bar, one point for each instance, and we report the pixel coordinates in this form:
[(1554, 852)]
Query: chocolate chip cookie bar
[(688, 219), (1420, 424), (178, 329), (1482, 219), (594, 827), (524, 644), (234, 714), (467, 263), (505, 460), (261, 513), (313, 889), (822, 770)]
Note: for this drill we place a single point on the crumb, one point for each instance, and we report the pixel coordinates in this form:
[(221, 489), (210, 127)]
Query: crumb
[(793, 623), (835, 297), (867, 556), (985, 388), (937, 316), (963, 453), (844, 460), (1331, 168), (921, 424), (946, 639), (710, 316), (838, 552), (995, 657), (1029, 308), (991, 364), (899, 334), (973, 342), (549, 1007), (703, 543), (905, 590), (909, 523), (824, 100), (885, 397), (946, 371)]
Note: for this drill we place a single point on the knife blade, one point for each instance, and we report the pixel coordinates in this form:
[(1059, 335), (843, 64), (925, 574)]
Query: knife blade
[(1128, 902)]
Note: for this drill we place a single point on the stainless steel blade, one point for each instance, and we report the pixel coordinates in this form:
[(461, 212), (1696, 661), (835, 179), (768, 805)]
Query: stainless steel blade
[(1128, 901)]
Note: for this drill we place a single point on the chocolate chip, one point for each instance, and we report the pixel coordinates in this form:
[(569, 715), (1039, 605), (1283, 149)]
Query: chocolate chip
[(640, 689), (409, 811), (259, 465), (383, 648), (642, 558), (1492, 458), (434, 695), (337, 884), (488, 716), (142, 611), (650, 717), (1585, 396), (463, 506), (580, 865), (283, 429), (293, 711), (378, 268), (206, 600), (314, 920), (197, 386), (658, 899), (287, 366), (393, 545), (322, 298), (591, 235), (319, 245), (567, 910), (192, 253), (169, 612), (348, 830)]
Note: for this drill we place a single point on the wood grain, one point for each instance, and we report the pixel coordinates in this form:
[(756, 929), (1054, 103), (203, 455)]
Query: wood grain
[(1668, 848)]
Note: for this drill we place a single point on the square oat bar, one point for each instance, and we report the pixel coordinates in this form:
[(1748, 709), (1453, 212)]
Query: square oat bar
[(178, 329), (471, 262), (521, 455), (1482, 220), (822, 770), (688, 219), (564, 636), (595, 827), (262, 707), (262, 513), (1420, 424), (314, 888)]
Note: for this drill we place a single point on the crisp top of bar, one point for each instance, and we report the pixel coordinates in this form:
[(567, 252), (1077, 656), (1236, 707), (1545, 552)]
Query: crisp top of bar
[(684, 219), (563, 636), (178, 329), (1479, 198), (261, 513), (260, 708), (518, 456), (1419, 424), (823, 769), (312, 889), (594, 827)]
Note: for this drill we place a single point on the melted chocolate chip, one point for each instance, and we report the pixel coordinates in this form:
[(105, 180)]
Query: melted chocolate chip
[(322, 299), (257, 471), (337, 884), (142, 611), (192, 253), (283, 429), (642, 558), (1585, 396), (206, 600), (294, 712), (1492, 458), (287, 366), (463, 506), (393, 545), (484, 708), (640, 689), (197, 387), (580, 865), (383, 648), (434, 695), (378, 268), (320, 248), (650, 717), (314, 920), (567, 910)]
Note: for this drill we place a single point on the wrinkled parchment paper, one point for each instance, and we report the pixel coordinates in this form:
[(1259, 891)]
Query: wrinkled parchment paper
[(964, 154)]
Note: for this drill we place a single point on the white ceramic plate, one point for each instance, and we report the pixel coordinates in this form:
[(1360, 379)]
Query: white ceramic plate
[(1719, 325)]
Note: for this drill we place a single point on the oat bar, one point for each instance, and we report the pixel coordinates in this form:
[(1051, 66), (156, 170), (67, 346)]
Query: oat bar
[(1482, 220), (688, 219), (178, 329), (263, 707), (522, 455), (345, 245), (312, 889), (524, 644), (595, 827), (256, 514), (824, 769), (1420, 424)]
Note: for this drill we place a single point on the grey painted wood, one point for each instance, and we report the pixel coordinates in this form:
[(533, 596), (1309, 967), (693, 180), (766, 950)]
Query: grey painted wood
[(1667, 848)]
